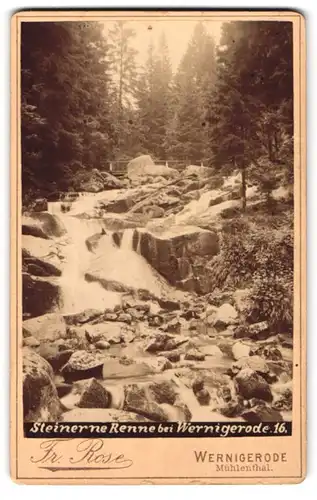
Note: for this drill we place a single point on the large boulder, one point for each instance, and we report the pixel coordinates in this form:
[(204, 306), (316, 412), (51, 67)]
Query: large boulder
[(256, 363), (93, 394), (40, 295), (284, 401), (82, 317), (178, 254), (164, 342), (240, 350), (110, 181), (155, 401), (42, 225), (51, 352), (251, 385), (121, 203), (221, 317), (194, 355), (96, 181), (113, 332), (40, 398), (82, 365), (197, 171), (144, 166), (124, 367), (40, 257), (38, 267), (49, 327)]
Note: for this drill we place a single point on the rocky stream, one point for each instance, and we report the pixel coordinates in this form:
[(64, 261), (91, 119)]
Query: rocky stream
[(120, 321)]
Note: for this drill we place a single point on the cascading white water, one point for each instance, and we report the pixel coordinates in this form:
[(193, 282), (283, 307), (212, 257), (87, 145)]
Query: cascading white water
[(77, 293), (124, 265), (196, 207), (127, 240), (105, 261)]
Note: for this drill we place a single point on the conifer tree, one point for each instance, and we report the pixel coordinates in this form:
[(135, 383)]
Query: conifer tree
[(250, 107), (65, 116), (193, 81)]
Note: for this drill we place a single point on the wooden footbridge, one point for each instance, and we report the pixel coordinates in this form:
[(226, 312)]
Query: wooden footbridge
[(119, 167)]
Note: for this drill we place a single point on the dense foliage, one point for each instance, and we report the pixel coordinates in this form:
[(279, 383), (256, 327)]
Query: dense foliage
[(251, 106), (66, 110), (85, 102), (256, 256)]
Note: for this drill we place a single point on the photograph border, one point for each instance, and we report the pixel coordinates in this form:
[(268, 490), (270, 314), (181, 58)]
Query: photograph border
[(299, 361)]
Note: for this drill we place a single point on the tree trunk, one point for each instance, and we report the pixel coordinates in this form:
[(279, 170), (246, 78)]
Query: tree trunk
[(243, 187), (270, 146), (276, 144)]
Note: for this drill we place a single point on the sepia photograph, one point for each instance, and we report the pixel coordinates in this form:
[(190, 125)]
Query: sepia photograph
[(157, 195)]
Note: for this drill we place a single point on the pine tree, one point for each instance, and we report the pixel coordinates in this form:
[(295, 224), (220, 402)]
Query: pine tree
[(153, 101), (123, 65), (193, 81), (248, 106), (66, 124)]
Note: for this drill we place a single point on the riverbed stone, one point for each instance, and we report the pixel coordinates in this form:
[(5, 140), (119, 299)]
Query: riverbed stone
[(48, 327), (40, 397), (143, 166), (255, 363), (82, 317), (223, 316), (63, 389), (82, 365), (251, 385), (111, 316), (157, 364), (30, 342), (173, 326), (125, 367), (240, 350), (163, 392), (269, 352), (125, 318), (39, 266), (211, 350), (112, 332), (203, 397), (56, 358), (232, 408), (41, 295), (284, 401), (102, 344), (194, 355), (198, 384), (172, 356), (136, 399), (259, 331), (43, 225), (262, 413), (173, 253), (164, 342), (92, 394)]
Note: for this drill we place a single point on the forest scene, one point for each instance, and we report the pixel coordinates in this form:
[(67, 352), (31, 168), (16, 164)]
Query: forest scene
[(157, 221)]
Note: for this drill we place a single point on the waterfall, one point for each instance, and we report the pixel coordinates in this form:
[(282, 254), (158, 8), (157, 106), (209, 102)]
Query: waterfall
[(127, 240), (88, 247), (77, 293)]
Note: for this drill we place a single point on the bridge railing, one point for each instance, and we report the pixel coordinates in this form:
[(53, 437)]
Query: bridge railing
[(120, 166)]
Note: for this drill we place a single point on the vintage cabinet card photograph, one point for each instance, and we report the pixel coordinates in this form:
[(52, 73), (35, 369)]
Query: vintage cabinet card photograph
[(158, 225)]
